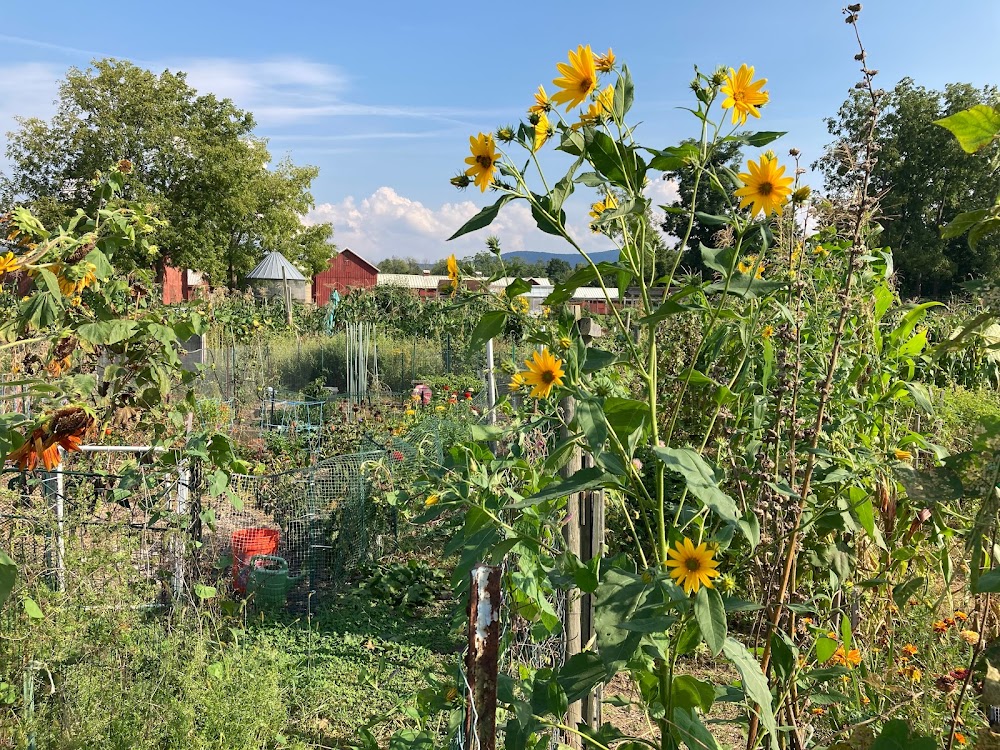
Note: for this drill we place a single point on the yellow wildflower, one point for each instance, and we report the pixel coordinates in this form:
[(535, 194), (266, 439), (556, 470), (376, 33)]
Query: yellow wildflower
[(483, 162), (606, 62), (579, 78), (764, 187), (743, 94)]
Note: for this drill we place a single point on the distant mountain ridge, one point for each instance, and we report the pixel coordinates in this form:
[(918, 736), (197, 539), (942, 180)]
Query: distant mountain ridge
[(533, 256)]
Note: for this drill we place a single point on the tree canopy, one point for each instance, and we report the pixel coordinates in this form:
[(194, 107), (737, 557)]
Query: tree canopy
[(925, 180), (194, 157)]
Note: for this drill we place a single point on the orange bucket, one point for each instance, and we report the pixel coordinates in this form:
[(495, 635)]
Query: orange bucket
[(248, 543)]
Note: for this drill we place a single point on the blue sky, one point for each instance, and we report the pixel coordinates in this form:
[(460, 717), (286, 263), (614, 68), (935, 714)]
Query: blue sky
[(382, 96)]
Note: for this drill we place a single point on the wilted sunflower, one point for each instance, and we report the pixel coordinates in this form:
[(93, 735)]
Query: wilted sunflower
[(543, 374), (579, 78), (693, 567), (764, 187), (743, 94), (483, 162), (64, 430)]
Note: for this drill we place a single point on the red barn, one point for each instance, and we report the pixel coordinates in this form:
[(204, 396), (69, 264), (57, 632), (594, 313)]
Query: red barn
[(346, 271), (182, 284)]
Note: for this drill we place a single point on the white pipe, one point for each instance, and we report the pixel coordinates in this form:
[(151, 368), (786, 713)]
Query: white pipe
[(60, 525)]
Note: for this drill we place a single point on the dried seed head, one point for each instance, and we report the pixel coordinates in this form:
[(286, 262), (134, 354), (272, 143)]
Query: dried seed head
[(854, 7)]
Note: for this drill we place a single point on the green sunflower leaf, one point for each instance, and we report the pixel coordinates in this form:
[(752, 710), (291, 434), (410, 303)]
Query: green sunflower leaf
[(974, 128), (483, 219)]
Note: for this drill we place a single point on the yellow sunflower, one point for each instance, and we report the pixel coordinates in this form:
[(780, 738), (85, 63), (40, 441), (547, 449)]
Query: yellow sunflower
[(543, 130), (543, 374), (483, 162), (453, 270), (743, 94), (542, 103), (765, 187), (747, 265), (693, 567), (516, 381), (902, 455), (596, 209), (579, 78), (8, 263), (768, 332), (600, 108), (604, 63)]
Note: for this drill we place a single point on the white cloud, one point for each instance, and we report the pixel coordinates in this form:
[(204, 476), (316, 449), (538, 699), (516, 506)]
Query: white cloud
[(389, 224)]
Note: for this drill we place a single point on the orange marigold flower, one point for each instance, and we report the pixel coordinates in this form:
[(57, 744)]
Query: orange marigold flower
[(969, 636), (909, 650), (846, 658), (960, 738), (960, 616), (939, 626)]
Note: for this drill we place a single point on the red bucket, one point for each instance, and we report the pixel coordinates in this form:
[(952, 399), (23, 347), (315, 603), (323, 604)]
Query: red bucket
[(247, 543)]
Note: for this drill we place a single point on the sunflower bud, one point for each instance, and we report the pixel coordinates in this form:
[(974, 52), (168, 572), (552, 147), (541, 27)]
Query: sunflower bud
[(461, 181), (505, 134), (534, 118), (719, 77), (801, 195)]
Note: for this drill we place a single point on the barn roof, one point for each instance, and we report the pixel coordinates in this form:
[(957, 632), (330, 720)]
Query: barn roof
[(411, 280), (371, 266), (271, 268)]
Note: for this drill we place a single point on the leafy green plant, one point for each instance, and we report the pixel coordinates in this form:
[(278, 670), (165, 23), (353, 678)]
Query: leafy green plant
[(410, 586)]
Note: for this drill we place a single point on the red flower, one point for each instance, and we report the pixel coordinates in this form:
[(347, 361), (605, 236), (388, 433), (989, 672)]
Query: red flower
[(397, 455)]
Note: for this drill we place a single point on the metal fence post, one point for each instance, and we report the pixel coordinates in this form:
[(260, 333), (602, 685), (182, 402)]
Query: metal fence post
[(60, 525), (183, 492)]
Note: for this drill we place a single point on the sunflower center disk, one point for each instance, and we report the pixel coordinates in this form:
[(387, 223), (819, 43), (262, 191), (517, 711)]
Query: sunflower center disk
[(765, 188), (484, 161), (548, 377), (693, 564)]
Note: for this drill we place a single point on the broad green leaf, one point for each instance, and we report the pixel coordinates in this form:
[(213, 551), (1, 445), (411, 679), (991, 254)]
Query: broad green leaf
[(547, 216), (700, 480), (825, 649), (784, 655), (626, 417), (895, 735), (8, 577), (673, 158), (754, 686), (489, 326), (761, 139), (618, 597), (108, 331), (989, 582), (720, 260), (974, 128), (989, 226), (624, 94), (585, 479), (711, 615), (205, 592), (591, 422), (689, 692), (516, 288), (484, 218), (31, 608), (580, 674), (902, 593), (963, 223), (692, 732)]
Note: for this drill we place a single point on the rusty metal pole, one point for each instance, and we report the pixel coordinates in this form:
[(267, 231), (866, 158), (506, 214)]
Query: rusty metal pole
[(481, 659)]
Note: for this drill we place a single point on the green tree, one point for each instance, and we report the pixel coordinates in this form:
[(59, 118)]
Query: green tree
[(711, 200), (558, 269), (925, 180), (399, 265), (194, 157)]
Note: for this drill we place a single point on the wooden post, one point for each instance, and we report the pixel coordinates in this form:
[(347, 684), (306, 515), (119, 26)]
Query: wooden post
[(288, 296), (481, 659), (572, 534)]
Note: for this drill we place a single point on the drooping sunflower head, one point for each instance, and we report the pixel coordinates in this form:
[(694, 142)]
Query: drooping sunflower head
[(692, 567), (579, 78), (743, 94), (765, 188), (606, 62), (516, 381), (543, 130), (483, 162), (596, 209), (453, 270), (543, 374), (542, 103)]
